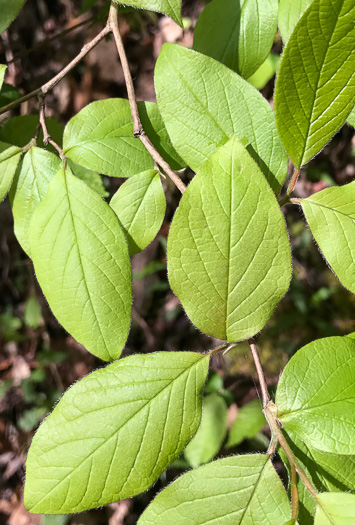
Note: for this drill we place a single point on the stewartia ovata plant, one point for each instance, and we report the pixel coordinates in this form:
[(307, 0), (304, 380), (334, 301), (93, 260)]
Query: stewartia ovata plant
[(115, 431)]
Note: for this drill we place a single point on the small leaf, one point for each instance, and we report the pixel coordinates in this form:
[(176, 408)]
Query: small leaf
[(33, 313), (2, 73), (331, 217), (9, 11), (35, 172), (81, 261), (265, 72), (114, 432), (335, 508), (249, 421), (91, 178), (238, 34), (203, 103), (316, 394), (236, 490), (171, 8), (100, 137), (351, 118), (8, 94), (9, 159), (315, 86), (209, 437), (140, 206), (229, 258), (290, 11)]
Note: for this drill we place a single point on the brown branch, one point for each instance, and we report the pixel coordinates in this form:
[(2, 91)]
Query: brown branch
[(290, 188), (47, 139), (43, 90), (262, 381), (138, 130)]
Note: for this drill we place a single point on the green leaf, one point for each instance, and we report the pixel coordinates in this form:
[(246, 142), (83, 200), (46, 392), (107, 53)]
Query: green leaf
[(316, 394), (351, 118), (327, 472), (35, 172), (249, 421), (33, 313), (100, 137), (315, 86), (140, 206), (331, 217), (114, 432), (2, 74), (8, 94), (229, 258), (91, 178), (9, 159), (9, 11), (236, 490), (290, 11), (20, 130), (265, 72), (335, 509), (209, 438), (81, 261), (203, 103), (238, 34), (171, 8)]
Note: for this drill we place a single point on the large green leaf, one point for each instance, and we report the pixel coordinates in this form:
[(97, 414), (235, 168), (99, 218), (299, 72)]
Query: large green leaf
[(171, 8), (140, 206), (331, 216), (315, 396), (290, 11), (315, 86), (335, 509), (209, 438), (203, 103), (36, 170), (100, 137), (237, 33), (328, 472), (9, 159), (9, 11), (249, 421), (81, 261), (114, 432), (229, 258), (237, 490)]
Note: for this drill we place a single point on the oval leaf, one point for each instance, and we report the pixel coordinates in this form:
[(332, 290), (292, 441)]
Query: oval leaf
[(315, 87), (209, 438), (203, 103), (140, 206), (290, 11), (335, 509), (240, 490), (81, 261), (100, 137), (238, 34), (9, 159), (229, 259), (316, 395), (114, 432), (331, 218), (171, 8), (9, 11), (37, 169), (250, 420)]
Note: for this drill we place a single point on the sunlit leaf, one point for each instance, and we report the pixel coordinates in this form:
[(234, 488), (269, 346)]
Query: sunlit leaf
[(9, 159)]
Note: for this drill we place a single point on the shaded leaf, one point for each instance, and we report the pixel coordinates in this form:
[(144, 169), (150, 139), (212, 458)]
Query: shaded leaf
[(249, 421), (315, 86), (265, 72), (140, 206), (335, 509), (91, 178), (81, 261), (229, 258), (33, 312), (203, 103), (240, 490), (237, 33), (9, 159), (210, 435), (9, 11), (290, 11), (20, 130), (316, 394), (171, 8), (114, 432)]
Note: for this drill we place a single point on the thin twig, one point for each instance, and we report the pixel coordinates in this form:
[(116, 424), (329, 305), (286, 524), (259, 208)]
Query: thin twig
[(290, 188), (262, 381), (43, 90), (138, 130), (47, 139)]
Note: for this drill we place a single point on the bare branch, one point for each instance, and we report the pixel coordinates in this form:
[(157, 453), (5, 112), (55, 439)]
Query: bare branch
[(261, 376)]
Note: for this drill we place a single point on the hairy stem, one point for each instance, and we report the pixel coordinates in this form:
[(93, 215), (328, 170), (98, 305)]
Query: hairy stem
[(263, 386), (290, 188), (138, 130)]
